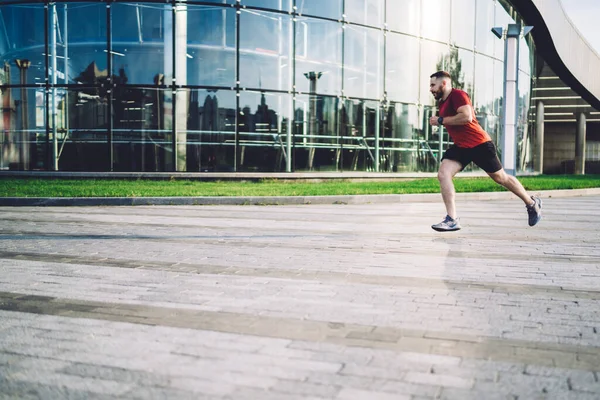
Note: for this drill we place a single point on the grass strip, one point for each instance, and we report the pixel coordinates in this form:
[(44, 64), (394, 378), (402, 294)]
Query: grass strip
[(32, 187)]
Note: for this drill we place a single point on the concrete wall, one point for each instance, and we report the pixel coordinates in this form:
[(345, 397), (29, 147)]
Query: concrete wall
[(559, 147)]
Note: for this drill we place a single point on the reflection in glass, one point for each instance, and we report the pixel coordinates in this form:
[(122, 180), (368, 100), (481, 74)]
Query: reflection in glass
[(463, 23), (265, 50), (316, 141), (434, 57), (404, 143), (483, 101), (142, 129), (320, 8), (484, 21), (210, 49), (404, 16), (359, 122), (366, 12), (264, 123), (77, 42), (363, 69), (23, 129), (282, 5), (318, 50), (435, 23), (525, 139), (464, 64), (142, 42), (210, 131), (525, 56), (22, 45), (503, 19), (401, 83), (80, 122)]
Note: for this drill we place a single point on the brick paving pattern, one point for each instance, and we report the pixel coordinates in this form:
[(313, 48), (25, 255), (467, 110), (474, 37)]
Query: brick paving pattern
[(344, 302)]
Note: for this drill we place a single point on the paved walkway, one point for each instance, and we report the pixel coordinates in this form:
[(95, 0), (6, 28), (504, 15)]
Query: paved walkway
[(344, 302)]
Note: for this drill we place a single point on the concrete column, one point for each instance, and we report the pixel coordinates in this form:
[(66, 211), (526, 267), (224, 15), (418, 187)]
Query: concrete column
[(580, 145), (539, 138)]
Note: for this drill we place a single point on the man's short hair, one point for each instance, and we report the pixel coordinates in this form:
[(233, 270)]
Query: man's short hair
[(441, 74)]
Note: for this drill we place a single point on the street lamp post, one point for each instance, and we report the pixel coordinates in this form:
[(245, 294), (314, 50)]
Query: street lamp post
[(313, 77), (511, 35)]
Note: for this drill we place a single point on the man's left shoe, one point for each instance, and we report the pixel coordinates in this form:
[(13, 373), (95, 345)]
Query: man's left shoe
[(535, 210)]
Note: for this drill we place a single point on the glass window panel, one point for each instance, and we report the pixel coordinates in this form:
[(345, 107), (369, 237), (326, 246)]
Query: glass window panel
[(320, 8), (525, 59), (265, 50), (316, 142), (525, 139), (359, 124), (366, 12), (403, 140), (363, 66), (210, 46), (318, 50), (435, 23), (264, 123), (434, 57), (210, 130), (22, 40), (142, 129), (402, 66), (502, 19), (404, 16), (484, 22), (463, 23), (23, 127), (498, 82), (82, 124), (142, 42), (485, 94), (80, 53), (465, 63), (282, 5)]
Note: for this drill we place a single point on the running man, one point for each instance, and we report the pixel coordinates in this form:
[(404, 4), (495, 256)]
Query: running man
[(471, 144)]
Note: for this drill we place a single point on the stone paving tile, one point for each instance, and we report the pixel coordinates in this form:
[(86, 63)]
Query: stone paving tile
[(300, 302)]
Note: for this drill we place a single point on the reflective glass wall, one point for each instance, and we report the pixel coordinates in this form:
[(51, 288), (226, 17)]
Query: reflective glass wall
[(245, 85)]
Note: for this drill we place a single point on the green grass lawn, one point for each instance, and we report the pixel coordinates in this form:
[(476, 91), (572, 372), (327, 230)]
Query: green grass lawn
[(30, 187)]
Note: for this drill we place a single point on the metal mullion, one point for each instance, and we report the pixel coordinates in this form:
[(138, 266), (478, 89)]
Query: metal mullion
[(47, 85), (341, 143), (237, 153), (110, 84), (292, 146), (174, 85)]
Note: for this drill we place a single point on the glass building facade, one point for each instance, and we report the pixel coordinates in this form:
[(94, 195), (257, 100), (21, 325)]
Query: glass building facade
[(246, 85)]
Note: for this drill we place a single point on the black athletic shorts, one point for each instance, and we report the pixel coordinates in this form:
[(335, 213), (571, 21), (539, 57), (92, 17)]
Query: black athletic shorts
[(484, 156)]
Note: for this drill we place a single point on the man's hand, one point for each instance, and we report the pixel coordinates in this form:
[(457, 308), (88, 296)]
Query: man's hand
[(433, 121)]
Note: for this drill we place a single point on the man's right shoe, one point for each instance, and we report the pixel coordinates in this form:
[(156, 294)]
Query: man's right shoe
[(447, 225), (535, 210)]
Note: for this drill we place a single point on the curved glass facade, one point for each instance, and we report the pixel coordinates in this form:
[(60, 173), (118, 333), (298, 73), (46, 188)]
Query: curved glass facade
[(247, 85)]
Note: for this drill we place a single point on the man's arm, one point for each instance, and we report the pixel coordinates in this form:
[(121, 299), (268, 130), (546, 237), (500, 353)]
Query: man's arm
[(464, 116)]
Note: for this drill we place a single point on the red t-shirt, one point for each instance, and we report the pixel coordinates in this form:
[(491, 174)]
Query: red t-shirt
[(468, 135)]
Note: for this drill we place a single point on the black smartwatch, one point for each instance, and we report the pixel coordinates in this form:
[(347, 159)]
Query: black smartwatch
[(441, 120)]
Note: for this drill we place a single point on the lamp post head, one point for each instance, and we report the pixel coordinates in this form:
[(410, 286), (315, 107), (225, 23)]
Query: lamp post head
[(313, 76), (22, 64), (498, 32), (511, 31)]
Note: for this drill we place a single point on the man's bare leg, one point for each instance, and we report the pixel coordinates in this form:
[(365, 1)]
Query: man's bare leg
[(512, 184), (446, 173)]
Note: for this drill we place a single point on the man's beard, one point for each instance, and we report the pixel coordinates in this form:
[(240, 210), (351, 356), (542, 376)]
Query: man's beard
[(438, 95)]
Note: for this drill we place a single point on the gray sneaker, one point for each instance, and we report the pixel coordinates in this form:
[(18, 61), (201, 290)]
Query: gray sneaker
[(535, 211), (447, 225)]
